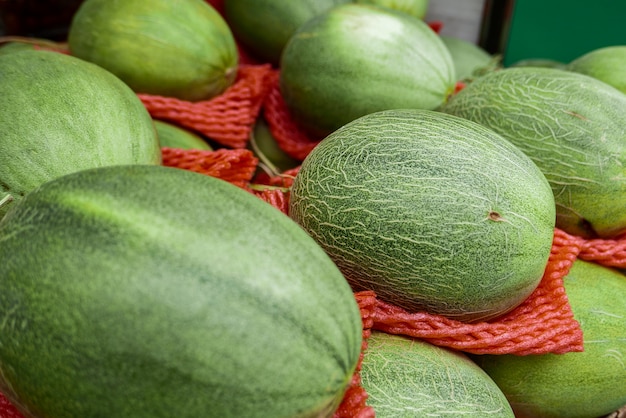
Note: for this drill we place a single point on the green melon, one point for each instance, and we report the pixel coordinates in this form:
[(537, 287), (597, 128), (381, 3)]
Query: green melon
[(174, 136), (406, 377), (417, 8), (607, 64), (61, 114), (151, 291), (175, 48), (431, 211), (357, 59), (586, 384), (572, 126), (469, 59), (264, 26)]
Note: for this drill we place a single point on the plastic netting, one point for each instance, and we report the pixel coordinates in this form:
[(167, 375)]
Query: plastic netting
[(226, 119)]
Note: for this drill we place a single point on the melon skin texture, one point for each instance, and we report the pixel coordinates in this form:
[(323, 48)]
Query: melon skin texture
[(264, 26), (61, 114), (174, 48), (406, 377), (586, 384), (150, 291), (433, 212), (357, 59), (572, 126), (607, 64)]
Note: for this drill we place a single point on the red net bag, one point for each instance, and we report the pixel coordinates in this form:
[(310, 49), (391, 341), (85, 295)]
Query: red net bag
[(228, 118), (236, 166)]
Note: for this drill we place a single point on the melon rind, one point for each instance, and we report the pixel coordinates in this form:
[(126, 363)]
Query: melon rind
[(410, 377), (431, 211), (61, 114), (584, 384), (357, 59), (151, 291), (572, 126)]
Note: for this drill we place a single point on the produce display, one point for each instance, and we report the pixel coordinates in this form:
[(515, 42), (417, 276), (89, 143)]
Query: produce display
[(233, 208)]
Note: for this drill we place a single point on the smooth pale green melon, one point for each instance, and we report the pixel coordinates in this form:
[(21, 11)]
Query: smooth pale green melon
[(174, 136), (607, 64), (468, 58), (175, 48), (61, 114), (357, 59), (586, 384), (431, 211), (417, 8), (264, 26), (151, 291), (572, 126), (406, 377)]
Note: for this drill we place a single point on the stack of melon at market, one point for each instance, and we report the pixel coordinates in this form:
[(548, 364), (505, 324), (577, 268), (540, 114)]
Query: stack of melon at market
[(435, 182)]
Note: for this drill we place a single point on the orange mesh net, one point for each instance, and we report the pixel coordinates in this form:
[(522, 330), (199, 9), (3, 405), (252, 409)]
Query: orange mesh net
[(227, 119)]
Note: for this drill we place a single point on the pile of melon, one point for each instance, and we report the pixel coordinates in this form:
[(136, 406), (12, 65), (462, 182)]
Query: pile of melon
[(432, 177)]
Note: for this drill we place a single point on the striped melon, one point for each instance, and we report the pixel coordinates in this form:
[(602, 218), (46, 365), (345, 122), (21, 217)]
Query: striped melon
[(141, 291), (357, 59)]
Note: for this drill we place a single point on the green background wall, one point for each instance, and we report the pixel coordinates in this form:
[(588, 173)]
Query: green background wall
[(562, 30)]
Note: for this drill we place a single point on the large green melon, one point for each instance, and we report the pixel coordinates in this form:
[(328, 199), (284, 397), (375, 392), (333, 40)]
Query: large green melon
[(264, 26), (406, 377), (431, 211), (572, 126), (586, 384), (61, 114), (176, 48), (357, 59), (151, 291)]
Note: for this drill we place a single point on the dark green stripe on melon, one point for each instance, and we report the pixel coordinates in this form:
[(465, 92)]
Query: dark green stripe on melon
[(147, 291), (431, 211), (572, 126)]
